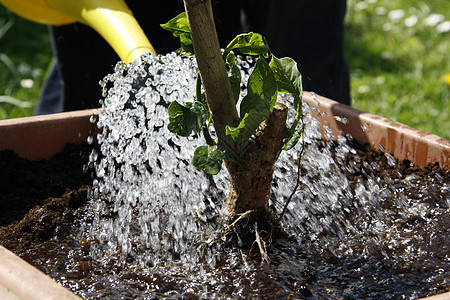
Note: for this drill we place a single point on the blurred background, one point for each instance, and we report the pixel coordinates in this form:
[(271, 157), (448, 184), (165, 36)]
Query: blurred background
[(397, 51)]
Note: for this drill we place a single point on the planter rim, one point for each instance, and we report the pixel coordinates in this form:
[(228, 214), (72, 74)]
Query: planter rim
[(41, 137), (402, 141), (20, 280)]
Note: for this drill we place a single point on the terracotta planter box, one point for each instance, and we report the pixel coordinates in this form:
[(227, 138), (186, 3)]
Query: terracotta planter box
[(41, 137)]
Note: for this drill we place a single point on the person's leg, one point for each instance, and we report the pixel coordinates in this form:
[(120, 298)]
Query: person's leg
[(310, 32), (51, 98), (82, 59)]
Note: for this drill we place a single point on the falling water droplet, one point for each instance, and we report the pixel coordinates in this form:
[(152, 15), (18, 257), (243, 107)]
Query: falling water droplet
[(364, 127), (391, 159), (343, 120)]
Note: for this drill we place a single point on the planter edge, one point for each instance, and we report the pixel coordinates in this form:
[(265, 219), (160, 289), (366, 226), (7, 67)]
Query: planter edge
[(38, 138), (418, 146), (443, 296), (20, 280)]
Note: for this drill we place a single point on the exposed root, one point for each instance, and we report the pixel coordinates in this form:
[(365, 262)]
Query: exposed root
[(248, 229), (231, 226), (241, 216), (261, 245)]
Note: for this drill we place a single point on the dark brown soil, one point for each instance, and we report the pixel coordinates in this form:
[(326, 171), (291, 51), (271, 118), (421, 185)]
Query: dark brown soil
[(38, 198)]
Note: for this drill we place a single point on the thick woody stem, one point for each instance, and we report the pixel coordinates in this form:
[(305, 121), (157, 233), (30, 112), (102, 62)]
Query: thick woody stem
[(212, 68), (250, 187)]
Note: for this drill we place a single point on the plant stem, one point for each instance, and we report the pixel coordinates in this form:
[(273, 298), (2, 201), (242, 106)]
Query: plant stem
[(249, 185), (212, 69)]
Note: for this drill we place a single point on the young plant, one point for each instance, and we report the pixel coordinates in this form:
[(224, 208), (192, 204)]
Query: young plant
[(264, 83), (248, 142)]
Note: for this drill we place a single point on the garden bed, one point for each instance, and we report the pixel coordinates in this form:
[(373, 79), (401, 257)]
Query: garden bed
[(41, 224)]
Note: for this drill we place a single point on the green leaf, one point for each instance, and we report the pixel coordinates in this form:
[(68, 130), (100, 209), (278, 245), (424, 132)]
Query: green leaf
[(183, 120), (293, 139), (248, 43), (234, 131), (247, 127), (261, 89), (200, 111), (179, 27), (209, 159), (205, 115), (234, 75), (257, 105), (289, 79), (201, 97)]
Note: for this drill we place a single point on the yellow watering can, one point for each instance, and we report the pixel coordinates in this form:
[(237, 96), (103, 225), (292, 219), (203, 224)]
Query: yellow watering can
[(112, 19)]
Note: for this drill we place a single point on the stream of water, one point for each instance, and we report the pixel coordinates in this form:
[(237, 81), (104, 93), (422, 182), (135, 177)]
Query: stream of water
[(349, 233)]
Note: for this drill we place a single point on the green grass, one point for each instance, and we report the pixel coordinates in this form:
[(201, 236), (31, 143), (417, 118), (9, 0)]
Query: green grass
[(25, 54), (398, 65), (397, 70)]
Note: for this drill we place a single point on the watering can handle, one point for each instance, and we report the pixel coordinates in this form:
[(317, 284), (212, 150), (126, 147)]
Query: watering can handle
[(112, 19)]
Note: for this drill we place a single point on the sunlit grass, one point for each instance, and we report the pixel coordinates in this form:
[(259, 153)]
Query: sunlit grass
[(25, 54), (398, 56)]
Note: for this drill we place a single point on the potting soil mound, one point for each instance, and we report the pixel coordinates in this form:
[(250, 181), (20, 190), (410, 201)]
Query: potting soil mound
[(38, 197), (44, 205)]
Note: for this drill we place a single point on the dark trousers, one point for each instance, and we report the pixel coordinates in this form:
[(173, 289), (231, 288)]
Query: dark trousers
[(310, 32)]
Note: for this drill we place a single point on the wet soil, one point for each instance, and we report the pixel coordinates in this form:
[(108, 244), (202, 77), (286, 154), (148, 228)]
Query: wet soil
[(40, 203)]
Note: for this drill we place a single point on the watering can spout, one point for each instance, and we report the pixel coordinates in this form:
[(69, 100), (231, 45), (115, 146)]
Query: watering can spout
[(112, 19)]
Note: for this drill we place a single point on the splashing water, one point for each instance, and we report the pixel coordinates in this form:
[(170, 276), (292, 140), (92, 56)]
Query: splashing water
[(154, 208), (156, 198)]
